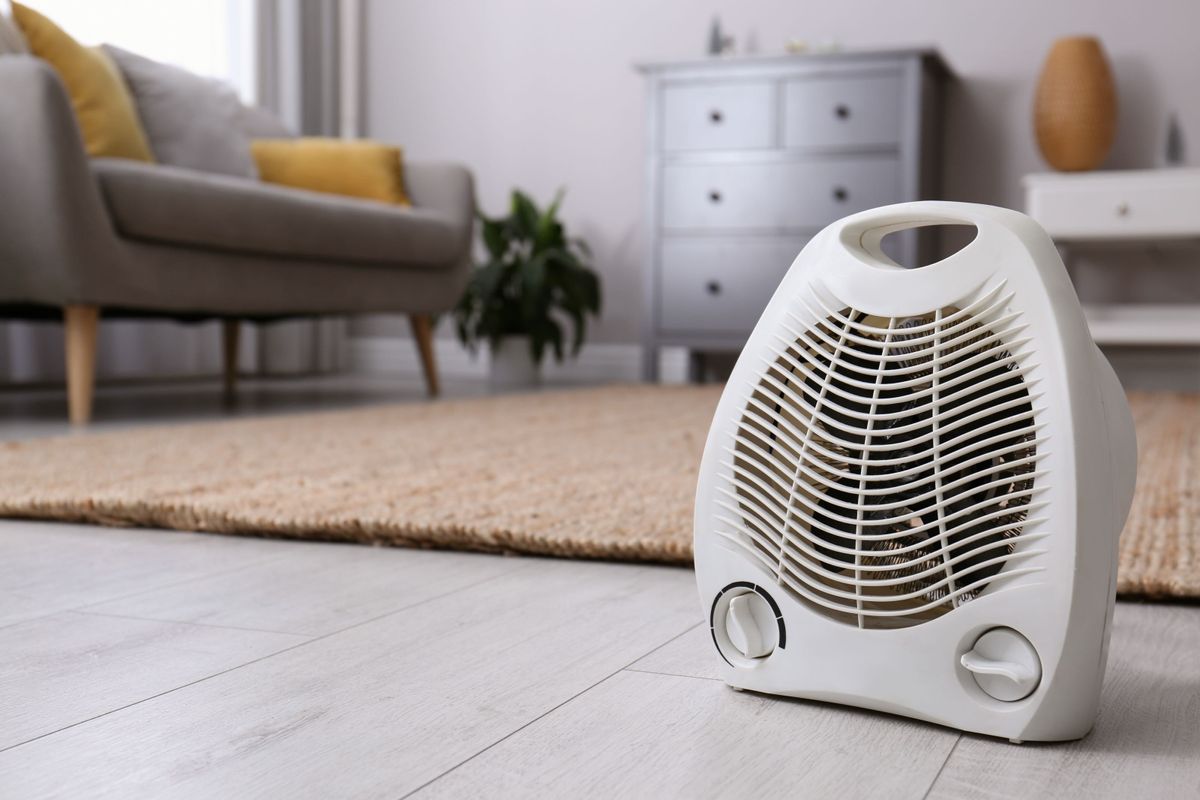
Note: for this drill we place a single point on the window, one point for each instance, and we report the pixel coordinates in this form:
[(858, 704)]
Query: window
[(209, 37)]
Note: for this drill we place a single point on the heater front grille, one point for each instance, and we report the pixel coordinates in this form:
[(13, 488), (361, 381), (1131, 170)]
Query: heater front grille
[(883, 467)]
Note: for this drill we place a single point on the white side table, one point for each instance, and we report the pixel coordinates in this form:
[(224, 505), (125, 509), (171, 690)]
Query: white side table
[(1134, 206)]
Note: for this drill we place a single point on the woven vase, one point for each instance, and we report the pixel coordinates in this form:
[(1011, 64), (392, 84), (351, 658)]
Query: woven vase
[(1075, 111)]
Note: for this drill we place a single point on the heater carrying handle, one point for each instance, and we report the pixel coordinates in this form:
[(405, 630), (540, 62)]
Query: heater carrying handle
[(996, 229), (1007, 243)]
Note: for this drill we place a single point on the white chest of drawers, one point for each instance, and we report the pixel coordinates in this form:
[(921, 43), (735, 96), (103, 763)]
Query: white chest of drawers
[(747, 158), (1143, 207)]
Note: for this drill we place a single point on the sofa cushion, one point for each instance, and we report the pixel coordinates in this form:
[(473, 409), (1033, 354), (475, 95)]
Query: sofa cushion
[(191, 121), (188, 208), (103, 106), (256, 122), (349, 167)]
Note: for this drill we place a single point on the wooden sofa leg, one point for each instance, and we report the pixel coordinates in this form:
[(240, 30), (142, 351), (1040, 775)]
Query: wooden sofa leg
[(422, 328), (81, 323), (230, 335)]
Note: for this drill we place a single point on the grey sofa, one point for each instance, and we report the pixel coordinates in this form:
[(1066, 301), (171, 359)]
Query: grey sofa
[(81, 238)]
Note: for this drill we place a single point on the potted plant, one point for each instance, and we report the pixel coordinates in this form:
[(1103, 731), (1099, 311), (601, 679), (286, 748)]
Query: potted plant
[(534, 282)]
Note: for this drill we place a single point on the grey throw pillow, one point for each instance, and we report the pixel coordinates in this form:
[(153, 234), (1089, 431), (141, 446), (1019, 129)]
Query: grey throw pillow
[(12, 41), (259, 123), (191, 121)]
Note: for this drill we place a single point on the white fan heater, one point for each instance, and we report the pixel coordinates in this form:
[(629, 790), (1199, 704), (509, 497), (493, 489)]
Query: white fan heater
[(913, 487)]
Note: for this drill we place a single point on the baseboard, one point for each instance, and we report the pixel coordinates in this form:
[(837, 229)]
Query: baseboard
[(391, 355), (597, 363)]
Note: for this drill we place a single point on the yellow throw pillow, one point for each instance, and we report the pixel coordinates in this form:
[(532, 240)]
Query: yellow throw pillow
[(103, 106), (368, 170)]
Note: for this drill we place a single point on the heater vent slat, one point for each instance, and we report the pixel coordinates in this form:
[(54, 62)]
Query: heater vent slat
[(884, 468)]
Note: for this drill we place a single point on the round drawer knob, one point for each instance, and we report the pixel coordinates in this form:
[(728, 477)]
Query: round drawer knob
[(716, 117), (841, 111), (713, 288), (840, 194), (714, 196), (1123, 210)]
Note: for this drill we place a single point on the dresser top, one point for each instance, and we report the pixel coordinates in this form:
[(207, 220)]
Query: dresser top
[(1116, 178), (929, 55)]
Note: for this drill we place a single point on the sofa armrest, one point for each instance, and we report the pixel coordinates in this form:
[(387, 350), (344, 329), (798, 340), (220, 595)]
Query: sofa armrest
[(56, 238), (449, 190)]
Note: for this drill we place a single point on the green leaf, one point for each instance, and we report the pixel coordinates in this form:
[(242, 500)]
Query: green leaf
[(549, 230), (489, 280), (533, 289), (589, 282), (556, 203), (493, 237), (524, 217)]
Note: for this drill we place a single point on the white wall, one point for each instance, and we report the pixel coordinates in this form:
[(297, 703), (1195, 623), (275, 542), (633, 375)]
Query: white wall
[(542, 93)]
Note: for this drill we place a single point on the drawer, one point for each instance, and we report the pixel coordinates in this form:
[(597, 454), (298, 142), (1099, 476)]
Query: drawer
[(1129, 204), (852, 111), (718, 116), (797, 195), (720, 284)]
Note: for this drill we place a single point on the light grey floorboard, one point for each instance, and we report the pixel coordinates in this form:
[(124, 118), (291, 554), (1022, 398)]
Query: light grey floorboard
[(63, 669), (691, 655), (49, 567), (379, 709), (1146, 743), (647, 735), (317, 588)]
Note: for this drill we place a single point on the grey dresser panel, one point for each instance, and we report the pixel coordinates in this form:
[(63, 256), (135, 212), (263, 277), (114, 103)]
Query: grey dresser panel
[(852, 111), (749, 157), (785, 195), (727, 115), (720, 284)]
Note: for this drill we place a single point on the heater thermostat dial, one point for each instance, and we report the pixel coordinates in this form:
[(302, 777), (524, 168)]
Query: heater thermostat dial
[(1004, 664), (750, 625), (747, 625)]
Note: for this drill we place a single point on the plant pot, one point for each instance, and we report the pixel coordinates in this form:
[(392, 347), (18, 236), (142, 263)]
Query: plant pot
[(1075, 110), (512, 366)]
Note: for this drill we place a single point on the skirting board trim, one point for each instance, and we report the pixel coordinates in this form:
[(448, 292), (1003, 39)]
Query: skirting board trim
[(1151, 369), (597, 363)]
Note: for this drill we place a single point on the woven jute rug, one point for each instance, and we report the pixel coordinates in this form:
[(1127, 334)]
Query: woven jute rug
[(598, 473)]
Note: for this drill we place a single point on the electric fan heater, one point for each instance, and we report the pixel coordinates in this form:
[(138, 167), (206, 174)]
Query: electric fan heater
[(912, 490)]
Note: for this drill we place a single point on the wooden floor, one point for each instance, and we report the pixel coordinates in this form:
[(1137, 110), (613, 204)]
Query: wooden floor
[(139, 663)]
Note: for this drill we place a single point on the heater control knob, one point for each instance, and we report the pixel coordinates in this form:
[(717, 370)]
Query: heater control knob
[(750, 625), (1004, 664)]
